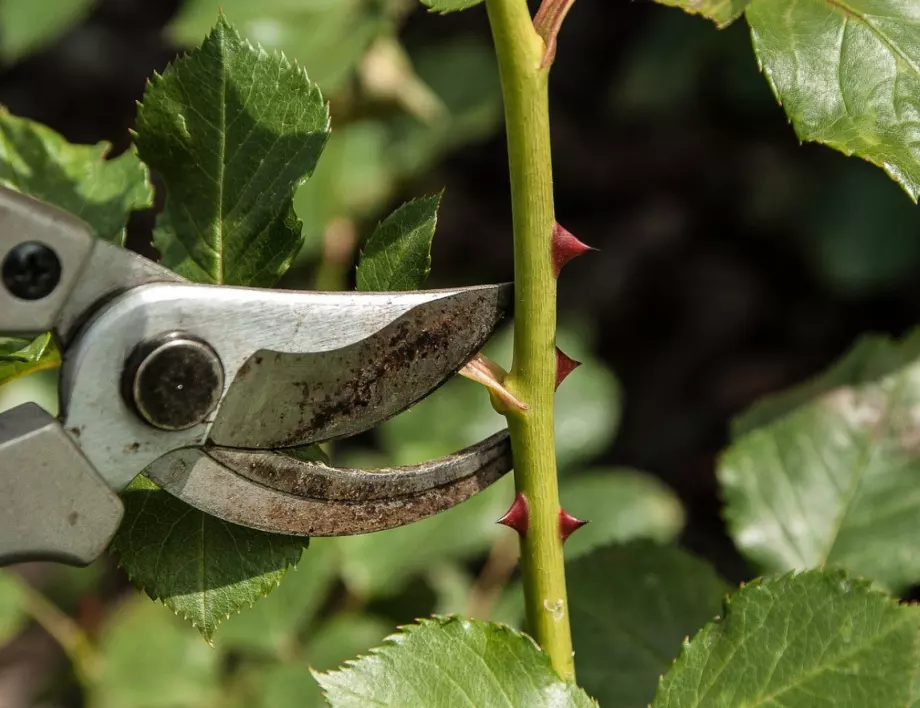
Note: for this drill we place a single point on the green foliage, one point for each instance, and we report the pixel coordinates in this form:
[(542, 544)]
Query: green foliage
[(800, 641), (449, 661), (26, 27), (398, 254), (272, 626), (201, 567), (631, 607), (368, 157), (872, 357), (445, 6), (722, 12), (12, 607), (329, 38), (19, 357), (39, 162), (834, 481), (150, 660), (234, 131), (621, 504), (848, 76)]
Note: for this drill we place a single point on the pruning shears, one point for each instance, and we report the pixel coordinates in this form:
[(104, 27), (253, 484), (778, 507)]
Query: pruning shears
[(210, 390)]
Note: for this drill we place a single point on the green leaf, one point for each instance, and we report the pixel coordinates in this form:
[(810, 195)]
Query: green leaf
[(20, 357), (152, 661), (26, 27), (13, 615), (834, 482), (328, 38), (398, 254), (272, 626), (631, 607), (103, 192), (201, 567), (622, 505), (848, 76), (870, 358), (234, 131), (799, 641), (449, 661), (722, 12), (444, 6)]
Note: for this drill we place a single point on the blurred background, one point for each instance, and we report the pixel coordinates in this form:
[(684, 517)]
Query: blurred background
[(733, 262)]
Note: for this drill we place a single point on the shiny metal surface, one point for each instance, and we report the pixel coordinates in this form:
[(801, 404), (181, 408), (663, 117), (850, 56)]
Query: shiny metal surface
[(238, 323), (108, 271), (279, 494), (286, 399)]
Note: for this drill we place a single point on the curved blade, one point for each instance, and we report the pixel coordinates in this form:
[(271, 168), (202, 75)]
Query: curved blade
[(286, 399), (279, 494)]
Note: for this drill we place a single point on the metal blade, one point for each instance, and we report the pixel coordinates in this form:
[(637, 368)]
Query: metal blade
[(287, 399), (358, 358), (279, 494)]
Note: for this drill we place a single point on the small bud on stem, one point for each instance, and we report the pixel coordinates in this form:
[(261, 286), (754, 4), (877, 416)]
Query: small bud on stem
[(568, 524), (565, 247), (483, 370), (518, 516)]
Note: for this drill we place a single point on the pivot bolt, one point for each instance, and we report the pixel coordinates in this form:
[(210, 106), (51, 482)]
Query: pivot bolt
[(173, 382), (31, 271)]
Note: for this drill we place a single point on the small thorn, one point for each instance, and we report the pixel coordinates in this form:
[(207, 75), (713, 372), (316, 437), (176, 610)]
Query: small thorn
[(518, 516), (568, 524), (566, 247), (565, 365)]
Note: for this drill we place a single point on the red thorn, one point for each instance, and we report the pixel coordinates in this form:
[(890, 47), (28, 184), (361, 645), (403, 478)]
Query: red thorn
[(518, 516), (568, 524), (566, 247), (565, 365)]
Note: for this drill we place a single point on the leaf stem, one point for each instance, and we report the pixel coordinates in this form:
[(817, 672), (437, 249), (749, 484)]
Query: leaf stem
[(524, 80)]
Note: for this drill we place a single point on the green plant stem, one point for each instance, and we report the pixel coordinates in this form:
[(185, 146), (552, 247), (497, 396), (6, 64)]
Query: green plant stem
[(67, 633), (533, 375)]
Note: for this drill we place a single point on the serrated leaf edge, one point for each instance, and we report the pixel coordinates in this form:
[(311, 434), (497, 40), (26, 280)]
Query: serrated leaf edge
[(141, 587), (832, 572)]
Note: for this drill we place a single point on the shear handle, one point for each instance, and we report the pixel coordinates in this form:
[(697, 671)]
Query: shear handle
[(53, 505)]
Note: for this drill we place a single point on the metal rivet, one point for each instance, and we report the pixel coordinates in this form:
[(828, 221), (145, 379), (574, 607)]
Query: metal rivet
[(31, 271), (173, 382)]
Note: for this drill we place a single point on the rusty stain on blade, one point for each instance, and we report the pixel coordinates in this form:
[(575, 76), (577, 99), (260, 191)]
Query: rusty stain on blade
[(296, 498), (283, 400)]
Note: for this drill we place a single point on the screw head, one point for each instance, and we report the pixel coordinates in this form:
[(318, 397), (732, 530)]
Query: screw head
[(173, 382), (31, 271)]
